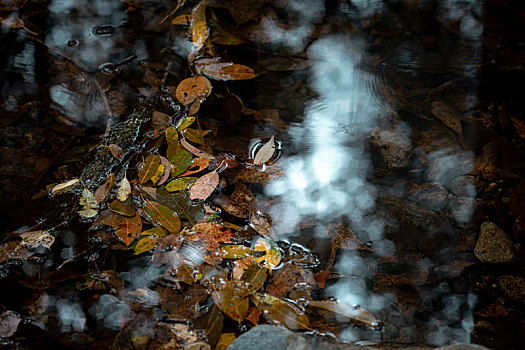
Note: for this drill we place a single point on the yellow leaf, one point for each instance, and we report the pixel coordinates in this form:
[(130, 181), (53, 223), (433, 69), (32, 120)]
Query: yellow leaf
[(124, 189), (272, 258), (65, 186), (160, 171), (89, 203), (199, 29), (181, 20)]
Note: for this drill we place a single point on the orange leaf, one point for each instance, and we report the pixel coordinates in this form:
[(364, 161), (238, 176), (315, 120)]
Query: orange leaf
[(217, 70), (191, 89), (181, 20), (199, 29), (197, 165)]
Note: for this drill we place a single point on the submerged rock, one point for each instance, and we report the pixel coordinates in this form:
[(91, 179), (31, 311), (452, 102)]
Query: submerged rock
[(493, 246), (392, 147), (513, 287)]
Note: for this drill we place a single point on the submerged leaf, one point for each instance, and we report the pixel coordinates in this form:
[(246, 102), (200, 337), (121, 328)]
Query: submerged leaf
[(194, 136), (156, 231), (218, 70), (116, 151), (235, 251), (182, 183), (191, 89), (64, 187), (145, 244), (212, 323), (102, 191), (181, 20), (124, 189), (164, 216), (199, 29), (282, 312), (197, 165), (265, 153), (89, 203), (204, 186), (194, 150), (233, 305), (148, 168), (123, 208), (358, 315)]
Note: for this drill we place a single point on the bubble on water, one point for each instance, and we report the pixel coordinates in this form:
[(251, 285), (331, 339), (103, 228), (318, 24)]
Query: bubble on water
[(73, 43), (104, 30)]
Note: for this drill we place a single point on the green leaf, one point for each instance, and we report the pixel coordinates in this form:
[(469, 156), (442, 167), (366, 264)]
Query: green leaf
[(233, 305), (235, 251), (156, 231), (164, 216), (123, 208), (252, 279), (146, 244), (172, 135), (180, 184), (194, 136), (180, 202), (179, 158), (148, 168), (281, 312), (185, 122)]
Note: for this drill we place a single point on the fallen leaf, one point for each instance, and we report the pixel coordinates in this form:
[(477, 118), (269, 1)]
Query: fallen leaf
[(125, 208), (172, 135), (116, 151), (235, 251), (102, 192), (198, 26), (218, 70), (225, 340), (89, 204), (204, 186), (180, 184), (282, 312), (212, 323), (197, 165), (13, 251), (124, 189), (160, 172), (156, 231), (252, 279), (148, 168), (64, 187), (164, 216), (359, 315), (159, 123), (272, 258), (232, 107), (183, 123), (194, 150), (127, 228), (167, 171), (181, 20), (191, 89), (35, 239), (194, 136), (265, 153), (146, 244), (233, 305)]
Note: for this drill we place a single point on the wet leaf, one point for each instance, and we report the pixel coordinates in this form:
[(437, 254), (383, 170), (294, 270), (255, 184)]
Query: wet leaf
[(159, 123), (282, 312), (233, 305), (253, 279), (191, 89), (254, 314), (204, 186), (241, 265), (64, 187), (148, 168), (212, 323), (217, 70), (224, 34), (127, 228), (225, 340), (124, 189), (194, 150), (89, 204), (146, 244), (125, 208), (167, 171), (156, 231), (34, 239), (198, 26), (172, 135), (181, 20), (358, 315), (194, 136), (102, 191), (232, 107), (208, 235), (182, 305), (180, 184), (116, 151), (164, 216), (184, 268), (13, 251), (181, 161), (235, 251), (180, 202), (185, 122), (272, 258), (160, 172), (265, 153), (9, 322), (197, 165)]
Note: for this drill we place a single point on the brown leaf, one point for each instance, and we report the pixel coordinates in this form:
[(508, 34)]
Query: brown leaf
[(116, 151), (198, 26), (358, 315), (212, 323), (239, 202), (252, 279), (233, 305), (102, 191), (194, 150), (181, 20), (194, 136), (167, 170), (191, 89), (265, 153), (148, 168), (159, 123), (127, 228), (13, 251), (232, 107), (164, 216), (217, 70), (282, 312), (124, 189), (204, 186), (125, 208), (34, 239), (182, 305)]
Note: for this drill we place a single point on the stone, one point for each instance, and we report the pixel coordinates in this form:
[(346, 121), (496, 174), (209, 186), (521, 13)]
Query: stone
[(392, 148), (463, 186), (462, 347), (493, 245), (513, 287)]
